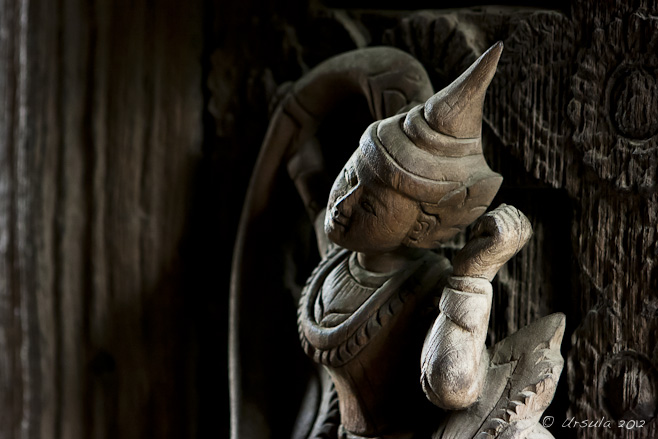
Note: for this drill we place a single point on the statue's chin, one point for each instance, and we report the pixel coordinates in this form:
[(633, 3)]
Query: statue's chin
[(335, 231), (358, 245), (336, 235), (355, 240)]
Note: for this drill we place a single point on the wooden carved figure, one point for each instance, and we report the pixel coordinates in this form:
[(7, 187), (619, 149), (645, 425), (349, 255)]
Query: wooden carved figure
[(399, 329)]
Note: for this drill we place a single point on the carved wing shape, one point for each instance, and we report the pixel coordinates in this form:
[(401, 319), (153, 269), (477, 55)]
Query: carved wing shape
[(521, 379)]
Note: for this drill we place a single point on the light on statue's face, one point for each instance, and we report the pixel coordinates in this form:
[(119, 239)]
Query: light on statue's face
[(366, 215)]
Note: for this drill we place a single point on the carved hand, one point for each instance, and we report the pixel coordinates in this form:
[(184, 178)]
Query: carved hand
[(498, 235)]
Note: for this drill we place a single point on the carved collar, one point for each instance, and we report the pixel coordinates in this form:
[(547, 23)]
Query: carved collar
[(337, 345)]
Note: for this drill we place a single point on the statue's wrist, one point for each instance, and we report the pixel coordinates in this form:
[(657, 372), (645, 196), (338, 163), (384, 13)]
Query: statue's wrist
[(470, 284), (478, 271)]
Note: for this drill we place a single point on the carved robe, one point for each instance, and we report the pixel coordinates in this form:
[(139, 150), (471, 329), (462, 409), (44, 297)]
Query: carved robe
[(368, 330)]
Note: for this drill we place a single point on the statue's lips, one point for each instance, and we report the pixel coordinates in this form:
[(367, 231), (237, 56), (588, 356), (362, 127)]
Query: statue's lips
[(335, 223)]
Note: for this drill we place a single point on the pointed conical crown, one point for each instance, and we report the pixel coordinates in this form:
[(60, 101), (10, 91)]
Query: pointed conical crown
[(457, 109), (435, 149)]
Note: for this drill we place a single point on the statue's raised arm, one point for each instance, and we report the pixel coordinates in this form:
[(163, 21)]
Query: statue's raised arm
[(415, 181), (399, 329)]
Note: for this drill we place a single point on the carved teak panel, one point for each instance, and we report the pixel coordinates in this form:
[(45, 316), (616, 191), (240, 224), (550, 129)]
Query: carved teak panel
[(574, 102), (571, 122)]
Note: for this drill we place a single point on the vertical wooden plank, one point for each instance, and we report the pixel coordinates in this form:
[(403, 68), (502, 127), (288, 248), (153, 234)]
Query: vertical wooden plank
[(100, 133), (146, 163), (46, 73), (100, 392), (10, 382), (125, 121), (70, 260)]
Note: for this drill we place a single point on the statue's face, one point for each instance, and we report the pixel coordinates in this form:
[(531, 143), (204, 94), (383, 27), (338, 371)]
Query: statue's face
[(366, 215)]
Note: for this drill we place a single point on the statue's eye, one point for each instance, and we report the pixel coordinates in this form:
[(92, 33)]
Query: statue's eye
[(368, 207)]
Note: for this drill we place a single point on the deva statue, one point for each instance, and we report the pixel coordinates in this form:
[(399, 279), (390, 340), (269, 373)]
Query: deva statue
[(396, 330)]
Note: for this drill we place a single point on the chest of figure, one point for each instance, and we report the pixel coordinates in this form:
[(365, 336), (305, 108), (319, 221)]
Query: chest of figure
[(370, 338)]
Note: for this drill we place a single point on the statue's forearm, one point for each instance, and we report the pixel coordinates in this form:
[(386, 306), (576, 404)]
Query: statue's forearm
[(451, 369)]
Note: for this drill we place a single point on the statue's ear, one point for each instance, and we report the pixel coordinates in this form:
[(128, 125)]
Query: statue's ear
[(424, 225)]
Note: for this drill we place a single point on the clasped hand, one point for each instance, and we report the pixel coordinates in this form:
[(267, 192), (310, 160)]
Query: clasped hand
[(497, 236)]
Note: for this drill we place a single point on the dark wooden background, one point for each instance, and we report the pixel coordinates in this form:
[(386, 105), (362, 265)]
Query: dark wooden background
[(127, 134)]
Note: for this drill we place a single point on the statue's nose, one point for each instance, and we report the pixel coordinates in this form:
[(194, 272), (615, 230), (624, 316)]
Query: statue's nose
[(339, 214), (345, 203)]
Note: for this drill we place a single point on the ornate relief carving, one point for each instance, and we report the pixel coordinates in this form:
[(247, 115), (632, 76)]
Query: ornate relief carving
[(584, 120), (575, 99), (416, 180), (625, 385), (632, 375), (526, 107), (615, 102)]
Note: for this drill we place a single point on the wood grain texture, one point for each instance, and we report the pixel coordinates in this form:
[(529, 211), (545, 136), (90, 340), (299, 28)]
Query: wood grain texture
[(100, 131), (572, 127)]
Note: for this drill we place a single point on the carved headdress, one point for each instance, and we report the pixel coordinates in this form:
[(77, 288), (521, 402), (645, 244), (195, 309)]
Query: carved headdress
[(433, 152)]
